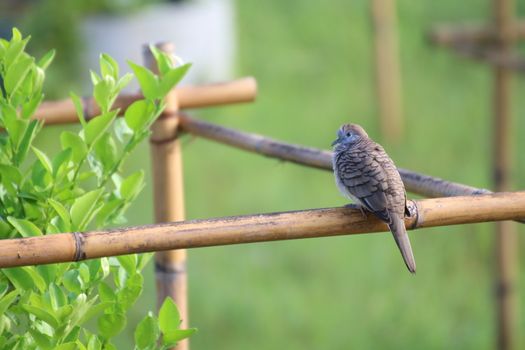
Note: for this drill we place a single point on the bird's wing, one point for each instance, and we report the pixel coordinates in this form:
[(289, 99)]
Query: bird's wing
[(365, 178)]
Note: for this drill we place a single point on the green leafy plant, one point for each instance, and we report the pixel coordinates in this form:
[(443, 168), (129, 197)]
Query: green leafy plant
[(81, 187)]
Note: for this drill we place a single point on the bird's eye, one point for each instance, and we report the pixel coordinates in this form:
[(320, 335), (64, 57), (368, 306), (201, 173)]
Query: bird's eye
[(347, 134)]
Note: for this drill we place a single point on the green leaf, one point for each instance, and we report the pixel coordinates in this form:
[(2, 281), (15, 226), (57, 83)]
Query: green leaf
[(38, 281), (79, 107), (28, 109), (169, 317), (42, 314), (94, 343), (94, 311), (108, 66), (44, 341), (143, 260), (44, 160), (171, 78), (164, 61), (11, 174), (128, 262), (16, 74), (123, 81), (14, 126), (132, 185), (67, 346), (16, 35), (177, 335), (29, 135), (25, 227), (48, 272), (7, 300), (60, 210), (83, 208), (56, 296), (106, 293), (106, 152), (61, 159), (131, 291), (19, 277), (35, 81), (102, 93), (110, 325), (46, 60), (97, 126), (109, 208), (72, 282), (13, 51), (138, 115), (149, 83), (71, 140), (147, 332)]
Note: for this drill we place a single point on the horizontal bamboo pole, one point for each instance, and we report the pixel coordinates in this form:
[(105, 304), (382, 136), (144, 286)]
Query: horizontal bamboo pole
[(472, 33), (424, 185), (236, 91), (312, 223), (510, 60), (465, 44)]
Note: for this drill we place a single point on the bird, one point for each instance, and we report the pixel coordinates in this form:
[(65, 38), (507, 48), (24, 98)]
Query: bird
[(366, 174)]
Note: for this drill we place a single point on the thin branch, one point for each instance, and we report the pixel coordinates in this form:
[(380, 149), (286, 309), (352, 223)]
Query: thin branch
[(254, 228), (424, 185)]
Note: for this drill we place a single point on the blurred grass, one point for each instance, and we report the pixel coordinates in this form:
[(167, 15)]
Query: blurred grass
[(312, 61)]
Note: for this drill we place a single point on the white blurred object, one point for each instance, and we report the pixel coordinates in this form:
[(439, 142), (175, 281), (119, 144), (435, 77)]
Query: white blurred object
[(203, 32)]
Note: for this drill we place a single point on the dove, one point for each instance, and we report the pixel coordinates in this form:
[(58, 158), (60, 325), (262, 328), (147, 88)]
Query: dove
[(365, 173)]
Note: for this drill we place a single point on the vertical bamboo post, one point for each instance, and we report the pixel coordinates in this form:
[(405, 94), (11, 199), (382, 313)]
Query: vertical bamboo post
[(506, 238), (168, 187), (387, 70)]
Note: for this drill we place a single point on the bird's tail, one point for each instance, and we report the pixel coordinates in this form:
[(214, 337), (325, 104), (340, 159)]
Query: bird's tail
[(397, 227)]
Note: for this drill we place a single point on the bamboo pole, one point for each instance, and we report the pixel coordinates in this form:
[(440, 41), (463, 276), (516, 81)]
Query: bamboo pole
[(168, 191), (506, 237), (311, 223), (236, 91), (471, 33), (496, 58), (387, 70)]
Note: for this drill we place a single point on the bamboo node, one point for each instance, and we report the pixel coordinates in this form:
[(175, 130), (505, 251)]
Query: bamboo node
[(80, 254), (413, 211), (170, 269)]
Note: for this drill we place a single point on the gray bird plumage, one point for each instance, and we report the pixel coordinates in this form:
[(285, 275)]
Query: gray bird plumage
[(366, 174)]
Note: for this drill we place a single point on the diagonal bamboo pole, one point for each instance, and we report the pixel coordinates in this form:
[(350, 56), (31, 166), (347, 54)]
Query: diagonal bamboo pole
[(311, 223), (168, 191), (425, 185)]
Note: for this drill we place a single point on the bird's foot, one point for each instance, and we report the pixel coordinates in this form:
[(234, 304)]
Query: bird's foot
[(357, 206)]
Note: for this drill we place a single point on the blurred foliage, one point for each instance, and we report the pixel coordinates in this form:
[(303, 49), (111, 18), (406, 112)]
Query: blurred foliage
[(81, 187), (56, 23)]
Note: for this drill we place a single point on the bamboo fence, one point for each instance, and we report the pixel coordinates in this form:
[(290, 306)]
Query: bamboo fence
[(312, 223)]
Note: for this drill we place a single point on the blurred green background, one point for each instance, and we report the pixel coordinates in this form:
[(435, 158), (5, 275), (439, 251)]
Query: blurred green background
[(313, 64)]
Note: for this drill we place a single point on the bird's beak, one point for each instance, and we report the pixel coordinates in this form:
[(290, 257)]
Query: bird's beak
[(336, 141)]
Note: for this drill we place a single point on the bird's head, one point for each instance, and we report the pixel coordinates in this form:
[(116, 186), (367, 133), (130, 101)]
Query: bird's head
[(349, 134)]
